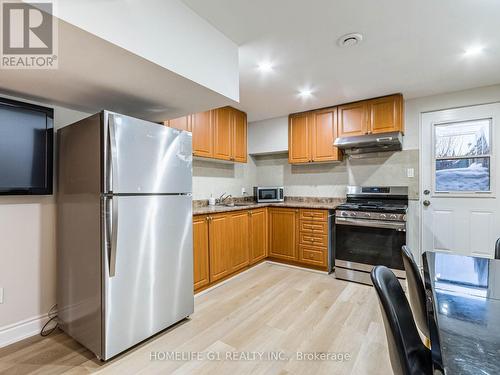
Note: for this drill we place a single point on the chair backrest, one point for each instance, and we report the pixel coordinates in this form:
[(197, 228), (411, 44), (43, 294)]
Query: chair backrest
[(408, 354), (416, 291), (497, 249)]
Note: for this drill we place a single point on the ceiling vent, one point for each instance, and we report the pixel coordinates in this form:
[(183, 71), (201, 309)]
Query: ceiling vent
[(349, 40)]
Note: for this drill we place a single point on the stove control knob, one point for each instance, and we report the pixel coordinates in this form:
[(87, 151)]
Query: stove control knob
[(394, 217), (343, 213), (367, 214), (353, 214), (383, 216)]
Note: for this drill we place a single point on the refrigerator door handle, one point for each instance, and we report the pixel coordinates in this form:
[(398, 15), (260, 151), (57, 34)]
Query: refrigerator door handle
[(113, 153), (113, 230)]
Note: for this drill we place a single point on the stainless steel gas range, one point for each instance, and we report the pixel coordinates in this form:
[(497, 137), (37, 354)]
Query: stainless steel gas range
[(369, 230)]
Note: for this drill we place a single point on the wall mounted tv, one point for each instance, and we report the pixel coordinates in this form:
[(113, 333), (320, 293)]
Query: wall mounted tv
[(26, 148)]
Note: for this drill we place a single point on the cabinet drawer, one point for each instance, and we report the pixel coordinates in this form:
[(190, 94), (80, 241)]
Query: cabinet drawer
[(308, 238), (312, 255), (316, 215), (315, 227)]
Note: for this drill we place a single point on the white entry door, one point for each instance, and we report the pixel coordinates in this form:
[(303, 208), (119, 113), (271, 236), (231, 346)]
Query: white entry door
[(460, 180)]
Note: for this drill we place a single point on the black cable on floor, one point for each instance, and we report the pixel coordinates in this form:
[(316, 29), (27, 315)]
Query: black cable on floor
[(52, 317)]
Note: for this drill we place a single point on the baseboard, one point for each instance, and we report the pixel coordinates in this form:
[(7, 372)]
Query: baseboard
[(21, 330)]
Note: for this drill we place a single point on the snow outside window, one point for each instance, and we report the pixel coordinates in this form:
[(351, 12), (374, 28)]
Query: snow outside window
[(463, 156)]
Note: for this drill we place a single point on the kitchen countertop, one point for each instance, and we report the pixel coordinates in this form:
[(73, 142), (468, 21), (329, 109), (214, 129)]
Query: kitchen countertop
[(329, 204)]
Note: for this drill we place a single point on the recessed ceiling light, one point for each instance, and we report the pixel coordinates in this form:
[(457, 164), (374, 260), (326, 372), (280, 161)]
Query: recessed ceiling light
[(349, 40), (473, 50), (265, 66), (306, 93)]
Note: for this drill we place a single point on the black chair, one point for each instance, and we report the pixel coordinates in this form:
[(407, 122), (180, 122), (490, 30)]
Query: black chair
[(497, 249), (416, 292), (408, 354)]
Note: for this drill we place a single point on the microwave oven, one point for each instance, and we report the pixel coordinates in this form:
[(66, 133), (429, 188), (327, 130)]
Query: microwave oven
[(269, 194)]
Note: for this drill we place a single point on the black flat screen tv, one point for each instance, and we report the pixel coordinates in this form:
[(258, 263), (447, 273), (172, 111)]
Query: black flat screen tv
[(26, 148)]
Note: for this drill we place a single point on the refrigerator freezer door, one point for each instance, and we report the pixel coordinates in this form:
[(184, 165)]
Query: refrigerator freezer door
[(152, 286), (147, 158)]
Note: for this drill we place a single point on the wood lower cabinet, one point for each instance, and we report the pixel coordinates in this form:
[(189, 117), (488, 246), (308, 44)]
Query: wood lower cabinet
[(219, 245), (313, 237), (283, 233), (201, 270), (238, 237), (226, 243), (258, 235)]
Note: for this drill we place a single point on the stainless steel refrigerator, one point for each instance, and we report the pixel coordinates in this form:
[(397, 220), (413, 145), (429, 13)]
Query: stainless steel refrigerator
[(124, 234)]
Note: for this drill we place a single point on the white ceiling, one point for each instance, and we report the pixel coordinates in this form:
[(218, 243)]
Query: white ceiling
[(413, 47), (94, 74)]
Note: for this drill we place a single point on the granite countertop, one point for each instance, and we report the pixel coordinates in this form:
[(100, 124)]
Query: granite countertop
[(201, 208)]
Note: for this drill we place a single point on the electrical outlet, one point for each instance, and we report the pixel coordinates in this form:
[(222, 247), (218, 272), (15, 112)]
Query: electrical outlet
[(1, 295), (410, 172), (243, 191)]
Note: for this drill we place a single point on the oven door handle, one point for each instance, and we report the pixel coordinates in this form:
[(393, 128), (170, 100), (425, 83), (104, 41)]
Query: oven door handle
[(401, 227)]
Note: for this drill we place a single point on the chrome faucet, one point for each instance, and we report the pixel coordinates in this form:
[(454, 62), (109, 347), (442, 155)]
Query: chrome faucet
[(222, 199)]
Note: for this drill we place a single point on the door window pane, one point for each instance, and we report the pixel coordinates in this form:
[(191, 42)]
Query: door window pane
[(463, 174), (468, 138)]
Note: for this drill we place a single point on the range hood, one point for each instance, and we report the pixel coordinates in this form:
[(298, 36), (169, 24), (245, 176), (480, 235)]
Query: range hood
[(363, 144)]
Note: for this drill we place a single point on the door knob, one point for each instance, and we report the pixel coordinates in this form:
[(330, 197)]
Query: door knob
[(427, 192), (427, 203)]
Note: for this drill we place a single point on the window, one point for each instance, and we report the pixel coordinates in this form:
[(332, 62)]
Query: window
[(463, 156)]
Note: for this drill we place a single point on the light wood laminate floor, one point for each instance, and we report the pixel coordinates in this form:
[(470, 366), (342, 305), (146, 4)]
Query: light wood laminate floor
[(270, 308)]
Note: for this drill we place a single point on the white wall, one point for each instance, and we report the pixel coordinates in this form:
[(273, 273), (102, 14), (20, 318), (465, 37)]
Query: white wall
[(28, 254), (215, 178), (166, 32), (268, 136)]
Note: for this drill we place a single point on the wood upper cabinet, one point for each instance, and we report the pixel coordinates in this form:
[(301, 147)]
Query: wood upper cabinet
[(223, 133), (181, 123), (324, 132), (202, 128), (258, 235), (299, 133), (373, 116), (201, 271), (238, 240), (283, 233), (219, 246), (386, 114), (239, 141), (353, 119), (311, 136)]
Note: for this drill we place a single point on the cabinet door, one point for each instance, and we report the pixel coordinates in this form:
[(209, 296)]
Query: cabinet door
[(299, 138), (200, 252), (283, 233), (181, 123), (223, 133), (324, 132), (352, 119), (386, 114), (258, 235), (219, 245), (239, 139), (238, 238), (202, 128)]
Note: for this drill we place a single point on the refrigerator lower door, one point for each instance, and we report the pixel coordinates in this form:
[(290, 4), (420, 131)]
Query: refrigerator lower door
[(151, 285), (146, 158)]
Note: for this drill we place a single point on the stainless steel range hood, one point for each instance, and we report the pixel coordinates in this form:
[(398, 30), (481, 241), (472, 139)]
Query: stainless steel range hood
[(363, 144)]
